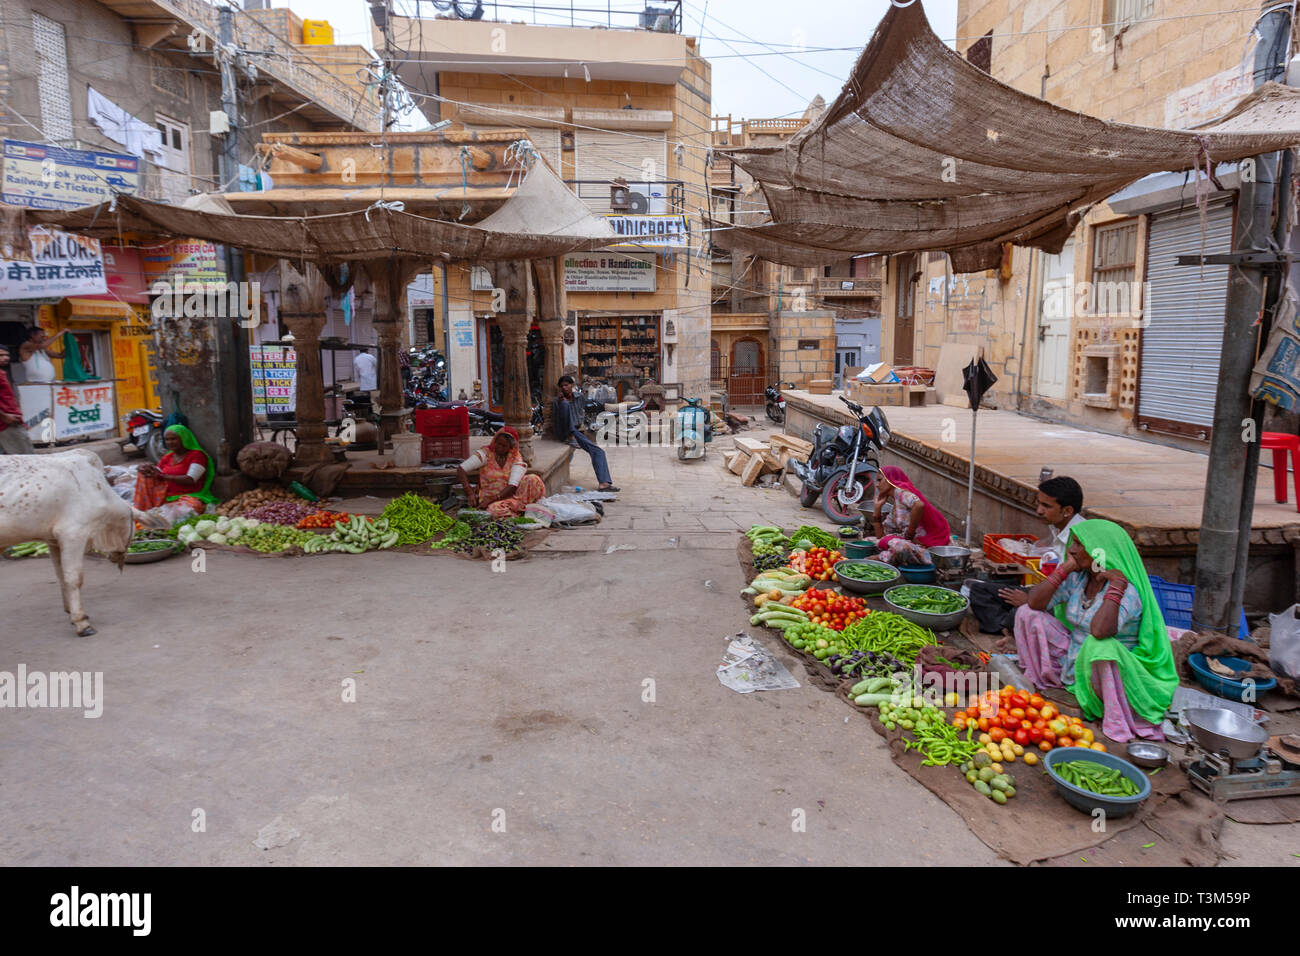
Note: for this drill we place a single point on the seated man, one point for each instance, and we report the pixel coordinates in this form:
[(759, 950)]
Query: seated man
[(567, 421), (1059, 502)]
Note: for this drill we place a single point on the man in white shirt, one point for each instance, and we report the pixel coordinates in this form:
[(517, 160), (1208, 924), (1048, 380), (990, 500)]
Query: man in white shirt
[(1060, 500), (367, 374)]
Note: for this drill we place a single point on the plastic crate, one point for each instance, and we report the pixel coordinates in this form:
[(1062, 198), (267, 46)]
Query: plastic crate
[(1175, 602), (456, 447), (442, 422), (999, 556)]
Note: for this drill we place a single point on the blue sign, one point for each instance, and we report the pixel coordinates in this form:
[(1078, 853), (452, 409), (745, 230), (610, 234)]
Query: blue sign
[(40, 176)]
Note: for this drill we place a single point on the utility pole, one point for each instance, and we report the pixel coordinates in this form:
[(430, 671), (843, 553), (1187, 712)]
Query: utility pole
[(1230, 481)]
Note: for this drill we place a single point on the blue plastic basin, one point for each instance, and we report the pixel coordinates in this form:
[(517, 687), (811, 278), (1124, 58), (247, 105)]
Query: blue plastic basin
[(1086, 800), (918, 573), (1226, 686)]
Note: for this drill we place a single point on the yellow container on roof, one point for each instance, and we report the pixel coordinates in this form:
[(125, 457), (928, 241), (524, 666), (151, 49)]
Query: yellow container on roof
[(317, 33)]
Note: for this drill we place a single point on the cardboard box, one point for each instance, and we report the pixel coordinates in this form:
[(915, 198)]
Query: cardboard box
[(869, 395), (880, 374), (820, 386)]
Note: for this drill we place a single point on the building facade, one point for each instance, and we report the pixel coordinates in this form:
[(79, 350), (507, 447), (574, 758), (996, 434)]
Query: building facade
[(1110, 333), (621, 112), (128, 97)]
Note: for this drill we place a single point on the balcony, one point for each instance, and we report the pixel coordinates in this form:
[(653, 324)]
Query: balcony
[(167, 24), (842, 287)]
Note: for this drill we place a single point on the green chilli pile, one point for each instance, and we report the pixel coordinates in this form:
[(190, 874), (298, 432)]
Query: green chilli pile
[(926, 598), (890, 633), (415, 519)]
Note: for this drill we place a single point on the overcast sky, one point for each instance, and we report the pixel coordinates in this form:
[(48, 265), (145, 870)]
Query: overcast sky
[(770, 57)]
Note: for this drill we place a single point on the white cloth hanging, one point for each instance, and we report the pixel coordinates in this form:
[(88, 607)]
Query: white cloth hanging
[(135, 135)]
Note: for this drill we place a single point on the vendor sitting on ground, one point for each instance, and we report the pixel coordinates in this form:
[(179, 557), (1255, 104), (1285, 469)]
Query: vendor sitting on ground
[(1106, 641), (912, 526), (180, 484), (1060, 501), (504, 486)]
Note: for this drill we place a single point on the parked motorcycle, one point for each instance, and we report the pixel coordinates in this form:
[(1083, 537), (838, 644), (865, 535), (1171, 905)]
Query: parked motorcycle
[(843, 464), (621, 422), (694, 431), (145, 432), (776, 402)]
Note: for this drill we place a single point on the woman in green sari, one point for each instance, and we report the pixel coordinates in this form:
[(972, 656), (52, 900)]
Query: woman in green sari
[(182, 477), (1104, 639)]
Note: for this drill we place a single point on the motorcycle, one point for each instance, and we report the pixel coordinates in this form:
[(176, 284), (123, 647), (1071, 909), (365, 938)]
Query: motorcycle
[(843, 464), (694, 431), (145, 432), (775, 402), (622, 422)]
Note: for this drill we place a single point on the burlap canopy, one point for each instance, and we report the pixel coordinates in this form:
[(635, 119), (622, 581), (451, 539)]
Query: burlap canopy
[(923, 151), (542, 219)]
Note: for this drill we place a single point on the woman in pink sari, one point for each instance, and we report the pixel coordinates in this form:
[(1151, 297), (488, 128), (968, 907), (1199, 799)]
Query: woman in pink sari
[(912, 526)]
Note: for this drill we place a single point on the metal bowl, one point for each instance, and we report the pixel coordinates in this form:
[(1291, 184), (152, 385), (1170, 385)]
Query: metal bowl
[(158, 554), (1146, 754), (865, 587), (948, 557), (935, 622), (1216, 730)]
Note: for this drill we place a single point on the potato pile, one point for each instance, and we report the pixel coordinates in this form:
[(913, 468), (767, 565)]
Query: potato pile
[(248, 500)]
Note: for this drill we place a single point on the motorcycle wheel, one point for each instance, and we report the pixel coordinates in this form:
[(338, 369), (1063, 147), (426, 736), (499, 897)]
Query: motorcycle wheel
[(681, 452), (831, 503), (807, 496), (155, 447)]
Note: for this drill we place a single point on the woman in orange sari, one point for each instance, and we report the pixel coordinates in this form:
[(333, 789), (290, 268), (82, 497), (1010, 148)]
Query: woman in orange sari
[(504, 486)]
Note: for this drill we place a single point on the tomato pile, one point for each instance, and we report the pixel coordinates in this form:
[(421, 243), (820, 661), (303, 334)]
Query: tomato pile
[(819, 563), (1026, 719), (830, 609), (325, 520)]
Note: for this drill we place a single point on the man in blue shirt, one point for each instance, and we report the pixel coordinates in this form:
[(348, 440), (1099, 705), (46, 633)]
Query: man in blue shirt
[(567, 419)]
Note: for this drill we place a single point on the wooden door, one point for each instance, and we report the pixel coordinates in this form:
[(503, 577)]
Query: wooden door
[(1052, 378), (905, 309), (746, 385)]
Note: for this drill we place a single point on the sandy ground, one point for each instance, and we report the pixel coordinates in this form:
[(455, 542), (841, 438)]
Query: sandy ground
[(513, 698)]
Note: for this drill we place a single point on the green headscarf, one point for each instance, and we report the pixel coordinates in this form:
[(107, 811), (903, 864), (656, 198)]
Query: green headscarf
[(192, 444), (1147, 671)]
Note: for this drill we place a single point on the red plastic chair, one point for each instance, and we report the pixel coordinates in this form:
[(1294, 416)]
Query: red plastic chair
[(1281, 444)]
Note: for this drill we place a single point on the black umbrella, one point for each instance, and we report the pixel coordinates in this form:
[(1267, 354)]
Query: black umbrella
[(977, 379)]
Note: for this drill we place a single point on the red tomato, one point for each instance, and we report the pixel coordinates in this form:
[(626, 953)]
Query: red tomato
[(1018, 713), (1036, 700), (1031, 712), (1021, 737), (983, 724), (1011, 723), (1064, 742), (1019, 700), (1049, 736), (996, 734), (1044, 746), (973, 711), (1035, 734)]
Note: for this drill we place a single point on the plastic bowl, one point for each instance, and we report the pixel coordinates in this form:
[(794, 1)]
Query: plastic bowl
[(918, 573), (1226, 686), (865, 587), (1086, 800), (935, 622), (860, 549)]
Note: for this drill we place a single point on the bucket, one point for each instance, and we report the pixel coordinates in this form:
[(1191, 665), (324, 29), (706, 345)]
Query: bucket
[(860, 549), (406, 451)]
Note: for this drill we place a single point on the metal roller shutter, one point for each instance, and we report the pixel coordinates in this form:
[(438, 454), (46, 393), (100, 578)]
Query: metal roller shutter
[(1179, 374), (605, 155)]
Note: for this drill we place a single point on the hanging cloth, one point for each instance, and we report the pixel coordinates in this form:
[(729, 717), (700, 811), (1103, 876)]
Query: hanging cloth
[(73, 370)]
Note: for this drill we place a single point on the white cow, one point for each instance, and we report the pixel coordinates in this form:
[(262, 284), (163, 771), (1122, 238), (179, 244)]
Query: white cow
[(65, 500)]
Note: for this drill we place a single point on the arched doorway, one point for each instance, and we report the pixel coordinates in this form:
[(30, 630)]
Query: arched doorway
[(746, 382)]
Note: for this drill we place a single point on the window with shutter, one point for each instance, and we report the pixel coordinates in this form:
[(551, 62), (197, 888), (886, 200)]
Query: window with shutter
[(605, 155), (52, 78)]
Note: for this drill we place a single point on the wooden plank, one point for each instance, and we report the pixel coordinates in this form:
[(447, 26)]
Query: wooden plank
[(753, 468), (751, 446), (771, 462), (796, 445), (739, 463)]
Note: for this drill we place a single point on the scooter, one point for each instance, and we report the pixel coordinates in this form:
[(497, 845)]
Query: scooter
[(843, 464), (145, 432), (776, 402), (694, 430)]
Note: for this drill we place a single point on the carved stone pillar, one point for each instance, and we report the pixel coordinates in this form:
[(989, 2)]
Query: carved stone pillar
[(514, 321), (302, 309), (388, 279), (551, 309)]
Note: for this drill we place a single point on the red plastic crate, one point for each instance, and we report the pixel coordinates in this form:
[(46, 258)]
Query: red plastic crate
[(442, 422), (999, 556), (444, 447)]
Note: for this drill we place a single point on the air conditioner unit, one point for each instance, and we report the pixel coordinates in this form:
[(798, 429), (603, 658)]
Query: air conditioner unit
[(647, 199)]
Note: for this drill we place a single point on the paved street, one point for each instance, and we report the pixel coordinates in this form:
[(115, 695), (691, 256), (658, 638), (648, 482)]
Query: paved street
[(475, 693)]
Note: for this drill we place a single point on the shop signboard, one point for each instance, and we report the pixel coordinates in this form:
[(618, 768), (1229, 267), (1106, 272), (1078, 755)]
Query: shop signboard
[(182, 259), (606, 272), (640, 231), (61, 265), (50, 177), (275, 379), (57, 410)]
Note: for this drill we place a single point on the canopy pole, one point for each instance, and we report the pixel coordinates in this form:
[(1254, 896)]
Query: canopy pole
[(970, 481)]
